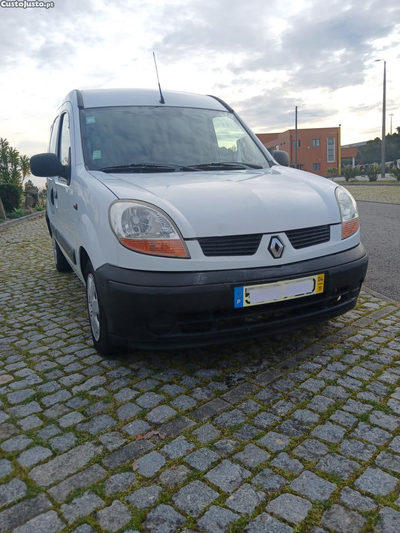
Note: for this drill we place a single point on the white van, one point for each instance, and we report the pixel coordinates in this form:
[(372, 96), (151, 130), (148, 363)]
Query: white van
[(183, 227)]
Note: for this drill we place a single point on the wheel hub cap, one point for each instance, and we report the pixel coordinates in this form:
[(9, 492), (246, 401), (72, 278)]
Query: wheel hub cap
[(93, 307)]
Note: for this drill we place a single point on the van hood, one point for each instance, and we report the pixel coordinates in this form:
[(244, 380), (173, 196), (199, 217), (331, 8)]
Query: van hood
[(205, 204)]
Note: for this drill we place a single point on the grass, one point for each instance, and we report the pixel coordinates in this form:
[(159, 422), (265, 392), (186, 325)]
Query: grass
[(381, 193), (21, 212)]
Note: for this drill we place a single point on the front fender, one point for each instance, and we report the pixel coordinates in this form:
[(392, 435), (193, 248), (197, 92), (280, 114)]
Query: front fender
[(98, 241)]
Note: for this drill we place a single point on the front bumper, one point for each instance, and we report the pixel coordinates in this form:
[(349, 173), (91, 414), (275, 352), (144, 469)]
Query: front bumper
[(184, 309)]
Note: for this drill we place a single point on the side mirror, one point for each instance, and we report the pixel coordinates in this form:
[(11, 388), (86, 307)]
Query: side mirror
[(281, 157), (44, 165)]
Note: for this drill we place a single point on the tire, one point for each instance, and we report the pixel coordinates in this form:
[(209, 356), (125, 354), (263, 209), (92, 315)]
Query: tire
[(97, 316), (60, 262)]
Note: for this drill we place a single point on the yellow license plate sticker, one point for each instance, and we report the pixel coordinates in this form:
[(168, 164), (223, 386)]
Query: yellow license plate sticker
[(278, 291)]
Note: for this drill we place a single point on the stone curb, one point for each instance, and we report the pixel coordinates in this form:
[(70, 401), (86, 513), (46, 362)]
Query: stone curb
[(368, 184), (379, 295), (374, 202), (6, 225)]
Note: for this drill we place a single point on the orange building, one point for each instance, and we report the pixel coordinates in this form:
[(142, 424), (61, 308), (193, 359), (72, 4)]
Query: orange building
[(317, 148)]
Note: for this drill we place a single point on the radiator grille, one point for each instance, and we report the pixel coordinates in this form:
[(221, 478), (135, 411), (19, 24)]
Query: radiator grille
[(301, 238), (237, 245), (233, 245)]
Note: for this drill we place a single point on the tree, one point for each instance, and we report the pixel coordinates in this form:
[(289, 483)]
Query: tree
[(10, 164), (371, 151), (4, 169), (14, 165), (24, 165)]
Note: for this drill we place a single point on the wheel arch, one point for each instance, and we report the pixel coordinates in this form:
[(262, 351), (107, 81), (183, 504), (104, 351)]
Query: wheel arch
[(84, 260), (48, 225)]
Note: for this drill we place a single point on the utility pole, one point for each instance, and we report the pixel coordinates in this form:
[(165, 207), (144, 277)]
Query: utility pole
[(295, 142), (383, 155), (391, 121)]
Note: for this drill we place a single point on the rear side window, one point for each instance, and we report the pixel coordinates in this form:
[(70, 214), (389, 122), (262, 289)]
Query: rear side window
[(54, 136), (65, 140)]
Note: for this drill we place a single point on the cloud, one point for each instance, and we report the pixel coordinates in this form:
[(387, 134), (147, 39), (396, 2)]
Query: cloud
[(365, 108), (275, 111), (225, 27), (326, 47), (49, 37)]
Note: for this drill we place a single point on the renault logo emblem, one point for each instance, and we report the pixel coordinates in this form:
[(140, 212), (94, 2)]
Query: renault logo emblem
[(276, 247)]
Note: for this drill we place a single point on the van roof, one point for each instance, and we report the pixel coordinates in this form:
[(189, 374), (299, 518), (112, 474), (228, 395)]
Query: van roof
[(143, 97)]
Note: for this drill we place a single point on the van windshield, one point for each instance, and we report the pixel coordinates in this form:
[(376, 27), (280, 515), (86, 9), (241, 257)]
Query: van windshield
[(165, 139)]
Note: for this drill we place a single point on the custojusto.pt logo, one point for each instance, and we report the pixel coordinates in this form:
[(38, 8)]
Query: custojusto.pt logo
[(26, 4)]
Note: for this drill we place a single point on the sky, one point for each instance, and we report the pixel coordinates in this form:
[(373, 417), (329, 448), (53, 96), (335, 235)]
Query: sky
[(262, 57)]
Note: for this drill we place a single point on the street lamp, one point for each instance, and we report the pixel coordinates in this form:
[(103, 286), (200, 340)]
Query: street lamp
[(383, 119)]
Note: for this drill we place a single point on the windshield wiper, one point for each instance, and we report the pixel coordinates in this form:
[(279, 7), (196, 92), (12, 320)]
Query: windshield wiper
[(161, 167), (140, 167), (224, 165)]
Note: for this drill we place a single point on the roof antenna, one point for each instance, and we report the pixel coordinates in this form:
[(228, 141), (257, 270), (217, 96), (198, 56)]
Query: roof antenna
[(162, 101)]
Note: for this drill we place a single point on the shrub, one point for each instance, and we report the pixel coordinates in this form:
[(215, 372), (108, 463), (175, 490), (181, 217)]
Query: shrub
[(332, 171), (17, 213), (373, 172), (350, 172), (10, 194), (395, 172)]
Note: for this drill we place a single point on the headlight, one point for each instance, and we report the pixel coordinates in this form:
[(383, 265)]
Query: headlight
[(146, 229), (348, 211)]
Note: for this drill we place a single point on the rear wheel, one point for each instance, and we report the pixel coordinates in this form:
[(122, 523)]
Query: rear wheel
[(97, 316), (60, 262)]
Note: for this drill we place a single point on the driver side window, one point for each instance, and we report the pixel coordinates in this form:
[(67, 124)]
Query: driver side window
[(54, 136), (65, 141)]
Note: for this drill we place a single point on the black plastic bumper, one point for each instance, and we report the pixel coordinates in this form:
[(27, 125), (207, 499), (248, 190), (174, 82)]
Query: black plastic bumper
[(182, 309)]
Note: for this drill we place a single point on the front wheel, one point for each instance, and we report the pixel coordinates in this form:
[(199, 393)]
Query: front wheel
[(97, 316)]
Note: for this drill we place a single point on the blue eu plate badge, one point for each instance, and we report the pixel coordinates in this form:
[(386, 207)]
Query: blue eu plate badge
[(239, 297)]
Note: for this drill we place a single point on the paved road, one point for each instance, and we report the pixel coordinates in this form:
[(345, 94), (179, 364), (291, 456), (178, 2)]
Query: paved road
[(297, 433), (380, 233)]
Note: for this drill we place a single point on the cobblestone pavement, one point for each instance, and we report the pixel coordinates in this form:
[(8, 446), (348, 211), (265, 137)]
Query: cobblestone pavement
[(295, 433)]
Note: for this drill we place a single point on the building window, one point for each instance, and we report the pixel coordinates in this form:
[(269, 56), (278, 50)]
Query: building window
[(298, 144), (316, 166), (331, 150), (315, 142)]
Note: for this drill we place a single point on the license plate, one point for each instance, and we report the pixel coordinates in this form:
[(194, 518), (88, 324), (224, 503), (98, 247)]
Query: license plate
[(279, 291)]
